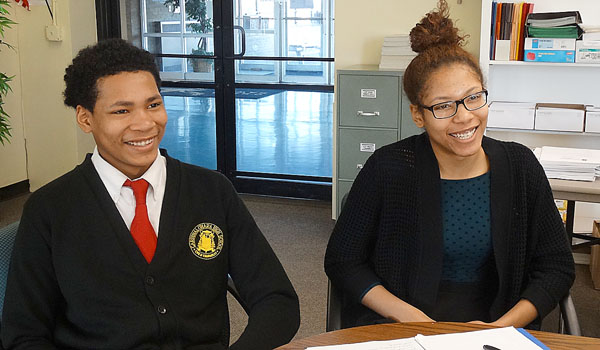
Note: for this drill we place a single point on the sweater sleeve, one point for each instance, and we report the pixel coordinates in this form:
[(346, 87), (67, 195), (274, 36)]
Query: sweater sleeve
[(32, 292), (351, 243), (274, 315), (551, 270)]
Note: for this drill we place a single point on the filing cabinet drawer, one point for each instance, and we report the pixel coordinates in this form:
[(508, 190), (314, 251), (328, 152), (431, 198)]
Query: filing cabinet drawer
[(343, 187), (370, 101), (355, 147)]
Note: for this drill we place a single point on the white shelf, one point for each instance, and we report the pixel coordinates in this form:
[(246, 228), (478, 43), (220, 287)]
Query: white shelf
[(541, 64)]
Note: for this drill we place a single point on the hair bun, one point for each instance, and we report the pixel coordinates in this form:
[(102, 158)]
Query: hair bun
[(435, 29)]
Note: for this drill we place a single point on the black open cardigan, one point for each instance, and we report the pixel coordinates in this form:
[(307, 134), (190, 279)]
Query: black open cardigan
[(77, 280), (390, 231)]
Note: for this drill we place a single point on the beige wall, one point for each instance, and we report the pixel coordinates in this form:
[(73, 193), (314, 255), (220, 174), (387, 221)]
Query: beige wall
[(13, 167), (360, 26), (53, 143)]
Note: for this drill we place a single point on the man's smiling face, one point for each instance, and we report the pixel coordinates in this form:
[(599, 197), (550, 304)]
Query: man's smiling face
[(128, 121)]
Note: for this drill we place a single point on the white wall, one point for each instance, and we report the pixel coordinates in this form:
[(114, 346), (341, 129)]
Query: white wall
[(48, 140)]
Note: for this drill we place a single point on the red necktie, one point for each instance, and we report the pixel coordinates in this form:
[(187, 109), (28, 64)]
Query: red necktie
[(141, 229)]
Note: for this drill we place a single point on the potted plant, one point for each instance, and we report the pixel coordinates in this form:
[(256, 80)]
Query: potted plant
[(196, 10), (4, 79)]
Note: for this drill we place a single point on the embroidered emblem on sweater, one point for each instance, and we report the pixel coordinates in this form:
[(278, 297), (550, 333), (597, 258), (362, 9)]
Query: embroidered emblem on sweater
[(206, 241)]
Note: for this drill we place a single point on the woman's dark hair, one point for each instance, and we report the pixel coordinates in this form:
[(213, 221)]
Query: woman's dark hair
[(437, 43), (108, 57)]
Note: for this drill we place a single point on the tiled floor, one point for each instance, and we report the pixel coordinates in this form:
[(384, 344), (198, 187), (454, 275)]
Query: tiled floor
[(289, 132)]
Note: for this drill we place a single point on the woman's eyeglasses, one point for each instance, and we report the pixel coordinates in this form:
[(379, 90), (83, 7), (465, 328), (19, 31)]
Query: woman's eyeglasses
[(448, 109)]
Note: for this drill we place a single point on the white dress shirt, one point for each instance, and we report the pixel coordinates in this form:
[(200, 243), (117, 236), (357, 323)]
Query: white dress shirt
[(114, 179)]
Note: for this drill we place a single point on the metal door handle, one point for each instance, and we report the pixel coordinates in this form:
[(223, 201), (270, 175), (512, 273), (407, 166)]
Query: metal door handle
[(243, 32), (367, 114)]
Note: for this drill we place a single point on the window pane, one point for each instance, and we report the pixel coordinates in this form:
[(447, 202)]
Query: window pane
[(161, 18), (257, 71), (190, 135), (284, 132)]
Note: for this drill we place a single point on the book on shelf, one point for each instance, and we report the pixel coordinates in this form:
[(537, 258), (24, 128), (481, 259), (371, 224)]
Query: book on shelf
[(507, 31), (554, 19)]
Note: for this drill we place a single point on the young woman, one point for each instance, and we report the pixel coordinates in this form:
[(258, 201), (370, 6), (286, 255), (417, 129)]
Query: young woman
[(449, 225)]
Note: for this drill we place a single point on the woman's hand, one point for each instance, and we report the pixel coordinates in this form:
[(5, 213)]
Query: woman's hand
[(388, 305), (520, 315)]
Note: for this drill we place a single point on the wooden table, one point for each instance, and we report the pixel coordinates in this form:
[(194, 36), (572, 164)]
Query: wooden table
[(406, 330), (576, 191)]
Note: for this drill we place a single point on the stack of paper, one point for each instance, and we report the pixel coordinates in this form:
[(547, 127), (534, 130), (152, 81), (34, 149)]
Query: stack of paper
[(591, 33), (501, 338), (396, 52), (569, 163)]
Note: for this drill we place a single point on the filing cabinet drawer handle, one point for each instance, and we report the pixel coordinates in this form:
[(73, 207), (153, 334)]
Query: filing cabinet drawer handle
[(367, 114)]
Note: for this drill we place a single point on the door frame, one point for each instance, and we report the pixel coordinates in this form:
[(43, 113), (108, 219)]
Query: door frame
[(224, 85)]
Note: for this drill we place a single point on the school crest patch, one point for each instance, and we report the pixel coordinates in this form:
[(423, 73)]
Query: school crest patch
[(206, 241)]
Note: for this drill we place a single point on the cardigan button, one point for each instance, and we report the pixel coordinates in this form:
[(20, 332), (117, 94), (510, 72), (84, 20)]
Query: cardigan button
[(150, 280), (161, 309)]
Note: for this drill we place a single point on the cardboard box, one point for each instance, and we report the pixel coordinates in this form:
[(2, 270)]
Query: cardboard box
[(595, 257), (511, 115), (559, 117), (587, 52), (549, 44), (592, 120), (559, 56)]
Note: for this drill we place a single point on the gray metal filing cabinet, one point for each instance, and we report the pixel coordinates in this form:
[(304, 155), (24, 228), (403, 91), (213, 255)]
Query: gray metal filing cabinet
[(372, 111)]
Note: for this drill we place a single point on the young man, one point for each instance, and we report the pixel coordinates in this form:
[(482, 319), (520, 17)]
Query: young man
[(132, 248)]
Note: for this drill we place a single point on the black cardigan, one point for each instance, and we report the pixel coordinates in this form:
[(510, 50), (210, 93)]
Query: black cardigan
[(390, 231), (77, 279)]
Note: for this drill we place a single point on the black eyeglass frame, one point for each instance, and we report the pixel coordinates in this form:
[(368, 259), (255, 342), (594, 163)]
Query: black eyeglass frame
[(458, 103)]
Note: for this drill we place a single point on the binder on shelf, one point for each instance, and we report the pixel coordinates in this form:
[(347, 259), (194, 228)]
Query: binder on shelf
[(554, 24), (554, 19)]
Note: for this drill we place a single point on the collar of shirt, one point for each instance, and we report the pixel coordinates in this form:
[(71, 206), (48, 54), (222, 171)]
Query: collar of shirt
[(113, 179)]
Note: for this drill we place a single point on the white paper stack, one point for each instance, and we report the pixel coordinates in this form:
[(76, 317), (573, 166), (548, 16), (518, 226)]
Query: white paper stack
[(501, 338), (591, 33), (569, 163), (396, 53)]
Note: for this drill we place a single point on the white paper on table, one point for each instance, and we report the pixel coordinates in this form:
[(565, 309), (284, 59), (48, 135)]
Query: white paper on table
[(507, 338), (396, 344)]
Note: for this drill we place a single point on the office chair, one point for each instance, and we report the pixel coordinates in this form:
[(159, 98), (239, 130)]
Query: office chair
[(7, 240)]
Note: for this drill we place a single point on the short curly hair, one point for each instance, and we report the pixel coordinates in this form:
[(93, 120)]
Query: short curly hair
[(107, 57), (438, 44)]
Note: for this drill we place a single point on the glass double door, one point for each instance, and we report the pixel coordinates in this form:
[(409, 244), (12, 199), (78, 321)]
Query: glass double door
[(248, 87)]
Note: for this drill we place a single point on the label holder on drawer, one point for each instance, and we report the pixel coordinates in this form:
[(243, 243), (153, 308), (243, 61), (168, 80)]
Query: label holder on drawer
[(367, 147), (368, 93)]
